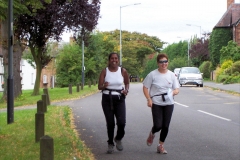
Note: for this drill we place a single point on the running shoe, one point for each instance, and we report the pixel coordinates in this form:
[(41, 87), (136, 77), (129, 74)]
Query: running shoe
[(118, 144), (161, 150), (150, 139), (110, 148)]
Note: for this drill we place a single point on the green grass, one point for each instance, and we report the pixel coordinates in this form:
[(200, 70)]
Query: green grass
[(17, 140), (55, 94)]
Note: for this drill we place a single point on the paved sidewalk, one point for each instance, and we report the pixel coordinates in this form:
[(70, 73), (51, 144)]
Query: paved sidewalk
[(226, 87)]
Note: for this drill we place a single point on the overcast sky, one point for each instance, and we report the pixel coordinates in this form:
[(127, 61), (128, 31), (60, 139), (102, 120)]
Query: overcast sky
[(166, 19)]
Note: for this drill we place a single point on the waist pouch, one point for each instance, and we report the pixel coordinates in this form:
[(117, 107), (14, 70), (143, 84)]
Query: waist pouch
[(110, 95), (163, 98)]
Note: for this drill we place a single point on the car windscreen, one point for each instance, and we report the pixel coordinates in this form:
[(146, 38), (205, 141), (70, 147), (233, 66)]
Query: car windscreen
[(190, 70)]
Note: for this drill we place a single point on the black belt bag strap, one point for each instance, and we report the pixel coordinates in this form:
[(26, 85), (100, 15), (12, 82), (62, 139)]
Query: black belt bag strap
[(110, 95), (163, 98)]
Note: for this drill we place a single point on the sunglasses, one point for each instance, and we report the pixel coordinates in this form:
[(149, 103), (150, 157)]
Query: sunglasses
[(161, 62)]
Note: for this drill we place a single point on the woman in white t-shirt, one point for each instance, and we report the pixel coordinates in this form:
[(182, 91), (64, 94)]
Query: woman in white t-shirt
[(114, 83), (159, 87)]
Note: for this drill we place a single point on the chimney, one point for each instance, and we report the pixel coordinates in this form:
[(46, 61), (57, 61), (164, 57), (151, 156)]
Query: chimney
[(229, 2)]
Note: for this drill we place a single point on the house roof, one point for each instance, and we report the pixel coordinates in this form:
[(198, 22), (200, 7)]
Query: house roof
[(231, 16)]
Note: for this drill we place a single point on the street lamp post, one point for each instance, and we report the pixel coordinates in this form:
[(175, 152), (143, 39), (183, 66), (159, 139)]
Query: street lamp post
[(83, 67), (121, 31), (196, 26), (10, 90)]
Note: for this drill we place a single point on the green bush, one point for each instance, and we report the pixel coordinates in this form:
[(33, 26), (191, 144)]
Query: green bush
[(221, 78), (233, 69), (227, 64), (232, 79), (228, 71), (205, 69), (236, 67)]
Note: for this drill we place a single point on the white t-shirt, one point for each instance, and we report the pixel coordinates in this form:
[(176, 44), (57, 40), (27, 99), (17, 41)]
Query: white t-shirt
[(115, 81), (160, 83)]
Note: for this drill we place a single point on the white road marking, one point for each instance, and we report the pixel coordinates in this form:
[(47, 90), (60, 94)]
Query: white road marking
[(205, 112), (214, 115), (181, 104)]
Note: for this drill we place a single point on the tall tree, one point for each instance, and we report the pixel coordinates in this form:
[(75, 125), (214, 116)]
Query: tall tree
[(135, 48), (50, 22), (19, 7), (199, 52)]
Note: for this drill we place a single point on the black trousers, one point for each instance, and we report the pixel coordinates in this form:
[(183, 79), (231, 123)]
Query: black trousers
[(118, 111), (161, 119)]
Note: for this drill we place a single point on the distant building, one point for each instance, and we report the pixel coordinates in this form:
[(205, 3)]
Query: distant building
[(231, 20), (28, 74)]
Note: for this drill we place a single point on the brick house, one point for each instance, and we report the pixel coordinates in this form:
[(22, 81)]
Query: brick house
[(48, 74), (231, 20)]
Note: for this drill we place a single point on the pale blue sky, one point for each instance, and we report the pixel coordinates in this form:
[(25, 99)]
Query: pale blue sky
[(165, 19)]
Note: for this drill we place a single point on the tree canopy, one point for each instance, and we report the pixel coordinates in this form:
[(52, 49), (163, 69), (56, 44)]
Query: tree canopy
[(219, 38), (50, 22)]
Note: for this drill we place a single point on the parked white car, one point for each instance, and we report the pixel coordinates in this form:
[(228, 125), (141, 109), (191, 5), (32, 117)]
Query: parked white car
[(190, 76)]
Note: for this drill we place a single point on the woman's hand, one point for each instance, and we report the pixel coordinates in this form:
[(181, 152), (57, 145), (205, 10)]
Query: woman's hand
[(105, 84), (125, 92), (149, 102), (175, 92)]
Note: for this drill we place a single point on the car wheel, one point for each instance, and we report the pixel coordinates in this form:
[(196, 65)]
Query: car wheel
[(181, 85), (201, 85), (197, 85)]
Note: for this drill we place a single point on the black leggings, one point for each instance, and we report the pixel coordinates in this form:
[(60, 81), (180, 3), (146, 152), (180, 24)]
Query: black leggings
[(119, 111), (161, 119)]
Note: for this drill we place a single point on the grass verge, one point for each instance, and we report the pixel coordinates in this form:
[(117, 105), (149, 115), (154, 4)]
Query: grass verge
[(56, 94), (17, 140)]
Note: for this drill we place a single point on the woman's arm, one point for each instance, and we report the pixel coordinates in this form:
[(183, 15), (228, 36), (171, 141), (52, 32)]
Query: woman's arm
[(146, 94), (125, 81), (101, 82)]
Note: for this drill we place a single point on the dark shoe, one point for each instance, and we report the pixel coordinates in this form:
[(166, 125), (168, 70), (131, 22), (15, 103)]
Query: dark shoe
[(118, 144), (161, 150), (150, 139), (110, 148)]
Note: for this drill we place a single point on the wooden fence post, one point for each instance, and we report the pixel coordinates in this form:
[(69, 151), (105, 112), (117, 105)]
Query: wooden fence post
[(77, 87), (39, 126), (46, 148), (82, 86), (89, 84), (45, 91), (40, 106), (44, 101), (70, 88)]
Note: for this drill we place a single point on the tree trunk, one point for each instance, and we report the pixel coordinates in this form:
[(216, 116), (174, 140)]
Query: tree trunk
[(17, 54), (38, 70), (4, 37)]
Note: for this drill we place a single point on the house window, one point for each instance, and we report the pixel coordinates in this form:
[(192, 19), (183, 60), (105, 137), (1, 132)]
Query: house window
[(44, 79)]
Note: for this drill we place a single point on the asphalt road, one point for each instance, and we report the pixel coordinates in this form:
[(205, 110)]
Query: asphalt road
[(205, 126)]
